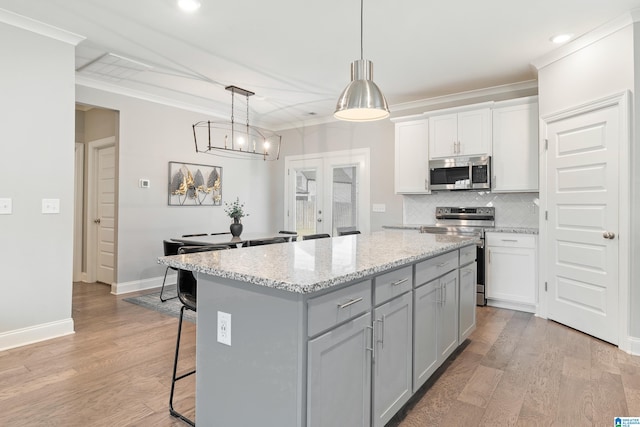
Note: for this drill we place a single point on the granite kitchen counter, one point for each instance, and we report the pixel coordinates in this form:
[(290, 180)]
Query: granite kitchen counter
[(312, 265), (516, 230)]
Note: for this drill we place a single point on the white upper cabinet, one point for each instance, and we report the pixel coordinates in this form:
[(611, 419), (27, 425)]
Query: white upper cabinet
[(460, 133), (412, 156), (515, 146)]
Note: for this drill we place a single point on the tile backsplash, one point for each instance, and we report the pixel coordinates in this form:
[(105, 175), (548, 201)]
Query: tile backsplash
[(512, 209)]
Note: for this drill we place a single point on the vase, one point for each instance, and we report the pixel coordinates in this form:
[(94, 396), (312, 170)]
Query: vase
[(236, 227)]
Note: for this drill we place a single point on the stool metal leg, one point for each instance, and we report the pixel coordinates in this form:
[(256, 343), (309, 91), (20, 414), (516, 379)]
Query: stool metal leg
[(175, 378), (162, 289)]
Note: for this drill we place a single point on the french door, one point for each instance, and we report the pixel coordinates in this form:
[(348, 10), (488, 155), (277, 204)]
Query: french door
[(327, 192)]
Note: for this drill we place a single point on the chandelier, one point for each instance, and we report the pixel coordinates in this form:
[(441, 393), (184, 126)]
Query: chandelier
[(236, 140)]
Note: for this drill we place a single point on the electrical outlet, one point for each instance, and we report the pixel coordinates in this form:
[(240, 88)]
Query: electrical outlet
[(224, 328)]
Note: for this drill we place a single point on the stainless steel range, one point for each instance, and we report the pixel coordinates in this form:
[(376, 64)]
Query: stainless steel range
[(469, 221)]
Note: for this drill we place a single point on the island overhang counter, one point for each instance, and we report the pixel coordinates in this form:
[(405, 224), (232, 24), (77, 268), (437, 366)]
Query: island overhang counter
[(303, 346)]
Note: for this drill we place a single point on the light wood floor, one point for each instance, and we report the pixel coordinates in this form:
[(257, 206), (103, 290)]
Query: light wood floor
[(115, 371)]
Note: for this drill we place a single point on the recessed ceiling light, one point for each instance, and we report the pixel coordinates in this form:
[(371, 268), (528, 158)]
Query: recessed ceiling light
[(189, 5), (561, 38)]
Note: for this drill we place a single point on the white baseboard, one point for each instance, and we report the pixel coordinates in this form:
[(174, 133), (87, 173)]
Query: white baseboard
[(529, 308), (36, 333), (631, 346), (141, 285)]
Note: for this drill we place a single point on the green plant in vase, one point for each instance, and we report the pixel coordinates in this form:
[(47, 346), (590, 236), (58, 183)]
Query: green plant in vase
[(235, 211)]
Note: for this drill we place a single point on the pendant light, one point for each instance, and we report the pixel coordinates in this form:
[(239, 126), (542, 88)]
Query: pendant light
[(361, 100)]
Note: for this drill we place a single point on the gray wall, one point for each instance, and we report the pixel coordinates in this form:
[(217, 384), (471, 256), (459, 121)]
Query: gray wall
[(602, 69), (36, 162), (151, 135)]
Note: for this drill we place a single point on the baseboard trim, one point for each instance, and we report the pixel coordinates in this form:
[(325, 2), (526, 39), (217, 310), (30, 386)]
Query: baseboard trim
[(632, 346), (512, 305), (141, 285), (36, 333)]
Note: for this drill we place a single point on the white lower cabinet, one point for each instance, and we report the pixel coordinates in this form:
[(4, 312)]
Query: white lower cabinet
[(435, 325), (467, 313), (392, 357), (511, 270), (339, 376)]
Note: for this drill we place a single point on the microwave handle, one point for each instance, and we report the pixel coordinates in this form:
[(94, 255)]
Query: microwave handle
[(470, 175)]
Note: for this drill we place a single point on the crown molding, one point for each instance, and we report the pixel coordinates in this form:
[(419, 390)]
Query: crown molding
[(589, 38), (430, 102), (41, 28), (132, 93)]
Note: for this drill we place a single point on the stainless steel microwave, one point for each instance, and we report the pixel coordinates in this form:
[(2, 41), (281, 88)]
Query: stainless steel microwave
[(460, 173)]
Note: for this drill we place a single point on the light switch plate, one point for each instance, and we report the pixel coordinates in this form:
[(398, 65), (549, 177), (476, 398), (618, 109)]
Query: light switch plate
[(379, 207), (50, 206), (5, 206)]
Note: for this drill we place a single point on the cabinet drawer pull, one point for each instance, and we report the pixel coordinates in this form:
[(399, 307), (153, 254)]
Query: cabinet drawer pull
[(509, 240), (348, 303), (467, 272), (442, 264), (400, 282)]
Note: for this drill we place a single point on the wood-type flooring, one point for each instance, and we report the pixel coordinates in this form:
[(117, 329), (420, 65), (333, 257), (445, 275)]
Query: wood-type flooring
[(515, 370)]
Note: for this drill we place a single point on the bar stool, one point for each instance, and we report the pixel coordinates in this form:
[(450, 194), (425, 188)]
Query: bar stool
[(348, 232), (170, 248), (187, 293), (260, 242)]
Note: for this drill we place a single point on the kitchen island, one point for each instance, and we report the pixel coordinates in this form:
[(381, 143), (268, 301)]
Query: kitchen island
[(338, 331)]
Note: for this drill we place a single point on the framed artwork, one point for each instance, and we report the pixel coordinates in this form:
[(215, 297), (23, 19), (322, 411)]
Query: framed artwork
[(191, 184)]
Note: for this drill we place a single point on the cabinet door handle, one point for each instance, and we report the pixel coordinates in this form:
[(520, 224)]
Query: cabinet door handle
[(467, 272), (348, 303), (442, 264), (426, 184), (488, 256), (372, 349), (400, 282), (444, 288), (381, 321)]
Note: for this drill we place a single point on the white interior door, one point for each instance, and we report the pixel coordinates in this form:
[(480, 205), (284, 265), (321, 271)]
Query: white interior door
[(582, 203), (326, 192), (106, 214), (101, 211)]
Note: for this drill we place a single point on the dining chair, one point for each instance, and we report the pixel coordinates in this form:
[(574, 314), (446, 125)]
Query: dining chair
[(260, 242), (315, 236), (293, 235), (170, 248), (194, 235), (188, 295), (348, 232)]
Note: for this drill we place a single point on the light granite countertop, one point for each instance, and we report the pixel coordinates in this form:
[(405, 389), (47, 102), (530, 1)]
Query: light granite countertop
[(313, 265), (517, 230)]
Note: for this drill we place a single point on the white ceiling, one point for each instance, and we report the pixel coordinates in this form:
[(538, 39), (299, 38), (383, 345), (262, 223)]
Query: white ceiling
[(295, 54)]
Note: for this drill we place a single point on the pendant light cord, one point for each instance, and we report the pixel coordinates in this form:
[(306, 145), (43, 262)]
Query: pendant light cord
[(361, 29)]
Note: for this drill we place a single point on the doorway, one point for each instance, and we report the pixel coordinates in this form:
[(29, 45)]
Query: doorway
[(95, 217), (327, 192)]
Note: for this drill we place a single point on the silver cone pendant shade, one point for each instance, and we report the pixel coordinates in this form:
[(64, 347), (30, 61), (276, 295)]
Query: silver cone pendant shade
[(361, 100)]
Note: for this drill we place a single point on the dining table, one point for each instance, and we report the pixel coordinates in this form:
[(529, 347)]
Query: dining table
[(227, 238)]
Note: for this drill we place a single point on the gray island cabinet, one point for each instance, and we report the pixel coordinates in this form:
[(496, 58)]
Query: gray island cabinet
[(327, 332)]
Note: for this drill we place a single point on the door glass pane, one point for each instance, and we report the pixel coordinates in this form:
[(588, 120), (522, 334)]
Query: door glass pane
[(345, 199), (306, 201)]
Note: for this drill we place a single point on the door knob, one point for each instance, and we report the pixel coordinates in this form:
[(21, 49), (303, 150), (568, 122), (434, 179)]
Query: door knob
[(609, 235), (319, 219), (97, 220)]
